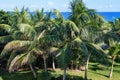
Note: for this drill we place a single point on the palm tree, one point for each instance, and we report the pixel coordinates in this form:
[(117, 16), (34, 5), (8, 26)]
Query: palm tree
[(19, 44), (89, 24), (90, 38), (111, 38), (22, 36), (113, 52), (68, 32)]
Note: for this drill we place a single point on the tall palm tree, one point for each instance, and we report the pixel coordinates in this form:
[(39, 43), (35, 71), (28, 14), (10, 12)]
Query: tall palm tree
[(68, 32), (89, 24)]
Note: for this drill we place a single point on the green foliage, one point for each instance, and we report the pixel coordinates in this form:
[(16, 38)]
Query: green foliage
[(5, 18), (64, 56), (30, 37)]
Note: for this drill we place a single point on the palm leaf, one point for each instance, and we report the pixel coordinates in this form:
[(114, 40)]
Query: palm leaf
[(6, 28), (12, 56), (16, 62), (28, 30), (5, 39), (64, 56), (22, 59), (97, 50), (14, 45)]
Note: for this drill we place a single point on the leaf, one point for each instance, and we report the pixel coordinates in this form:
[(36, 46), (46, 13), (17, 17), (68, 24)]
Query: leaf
[(27, 30), (64, 56), (41, 34), (22, 59), (6, 27), (14, 45), (16, 62), (5, 39)]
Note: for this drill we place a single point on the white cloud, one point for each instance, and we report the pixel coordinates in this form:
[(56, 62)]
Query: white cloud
[(65, 5), (33, 6), (51, 3)]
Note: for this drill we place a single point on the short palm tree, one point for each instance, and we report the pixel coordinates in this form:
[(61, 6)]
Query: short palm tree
[(114, 50), (111, 38), (22, 35)]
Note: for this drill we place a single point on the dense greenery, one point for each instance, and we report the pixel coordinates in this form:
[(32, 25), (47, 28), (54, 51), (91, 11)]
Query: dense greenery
[(33, 42)]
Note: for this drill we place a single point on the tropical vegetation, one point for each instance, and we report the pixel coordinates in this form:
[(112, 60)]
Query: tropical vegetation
[(44, 42)]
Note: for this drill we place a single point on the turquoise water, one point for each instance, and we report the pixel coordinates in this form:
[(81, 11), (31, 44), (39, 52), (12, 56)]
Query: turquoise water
[(109, 16)]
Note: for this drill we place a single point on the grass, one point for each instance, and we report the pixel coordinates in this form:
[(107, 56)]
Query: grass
[(96, 72)]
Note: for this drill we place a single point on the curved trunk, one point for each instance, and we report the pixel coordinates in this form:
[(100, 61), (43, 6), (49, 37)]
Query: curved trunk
[(53, 63), (33, 71), (86, 67), (45, 66), (64, 74), (111, 70)]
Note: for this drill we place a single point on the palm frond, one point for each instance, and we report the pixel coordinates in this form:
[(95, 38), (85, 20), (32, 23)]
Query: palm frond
[(14, 45), (28, 30), (29, 58), (53, 50), (97, 50), (16, 62), (22, 59), (64, 56), (6, 27), (5, 39), (58, 15), (17, 35), (72, 25), (76, 43), (41, 34), (12, 56), (114, 50), (49, 39), (39, 15)]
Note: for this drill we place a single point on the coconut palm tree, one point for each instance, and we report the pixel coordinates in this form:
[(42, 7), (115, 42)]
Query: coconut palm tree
[(32, 41), (22, 35), (19, 43), (90, 38), (68, 32), (89, 24), (114, 50), (111, 38)]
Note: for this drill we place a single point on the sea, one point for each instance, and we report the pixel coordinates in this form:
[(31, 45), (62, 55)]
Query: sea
[(109, 16)]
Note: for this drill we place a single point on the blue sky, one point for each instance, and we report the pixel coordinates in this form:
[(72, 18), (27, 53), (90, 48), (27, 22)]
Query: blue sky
[(62, 5)]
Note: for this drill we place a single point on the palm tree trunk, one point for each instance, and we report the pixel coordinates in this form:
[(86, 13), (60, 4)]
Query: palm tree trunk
[(64, 74), (53, 63), (45, 66), (33, 71), (111, 70), (86, 67)]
